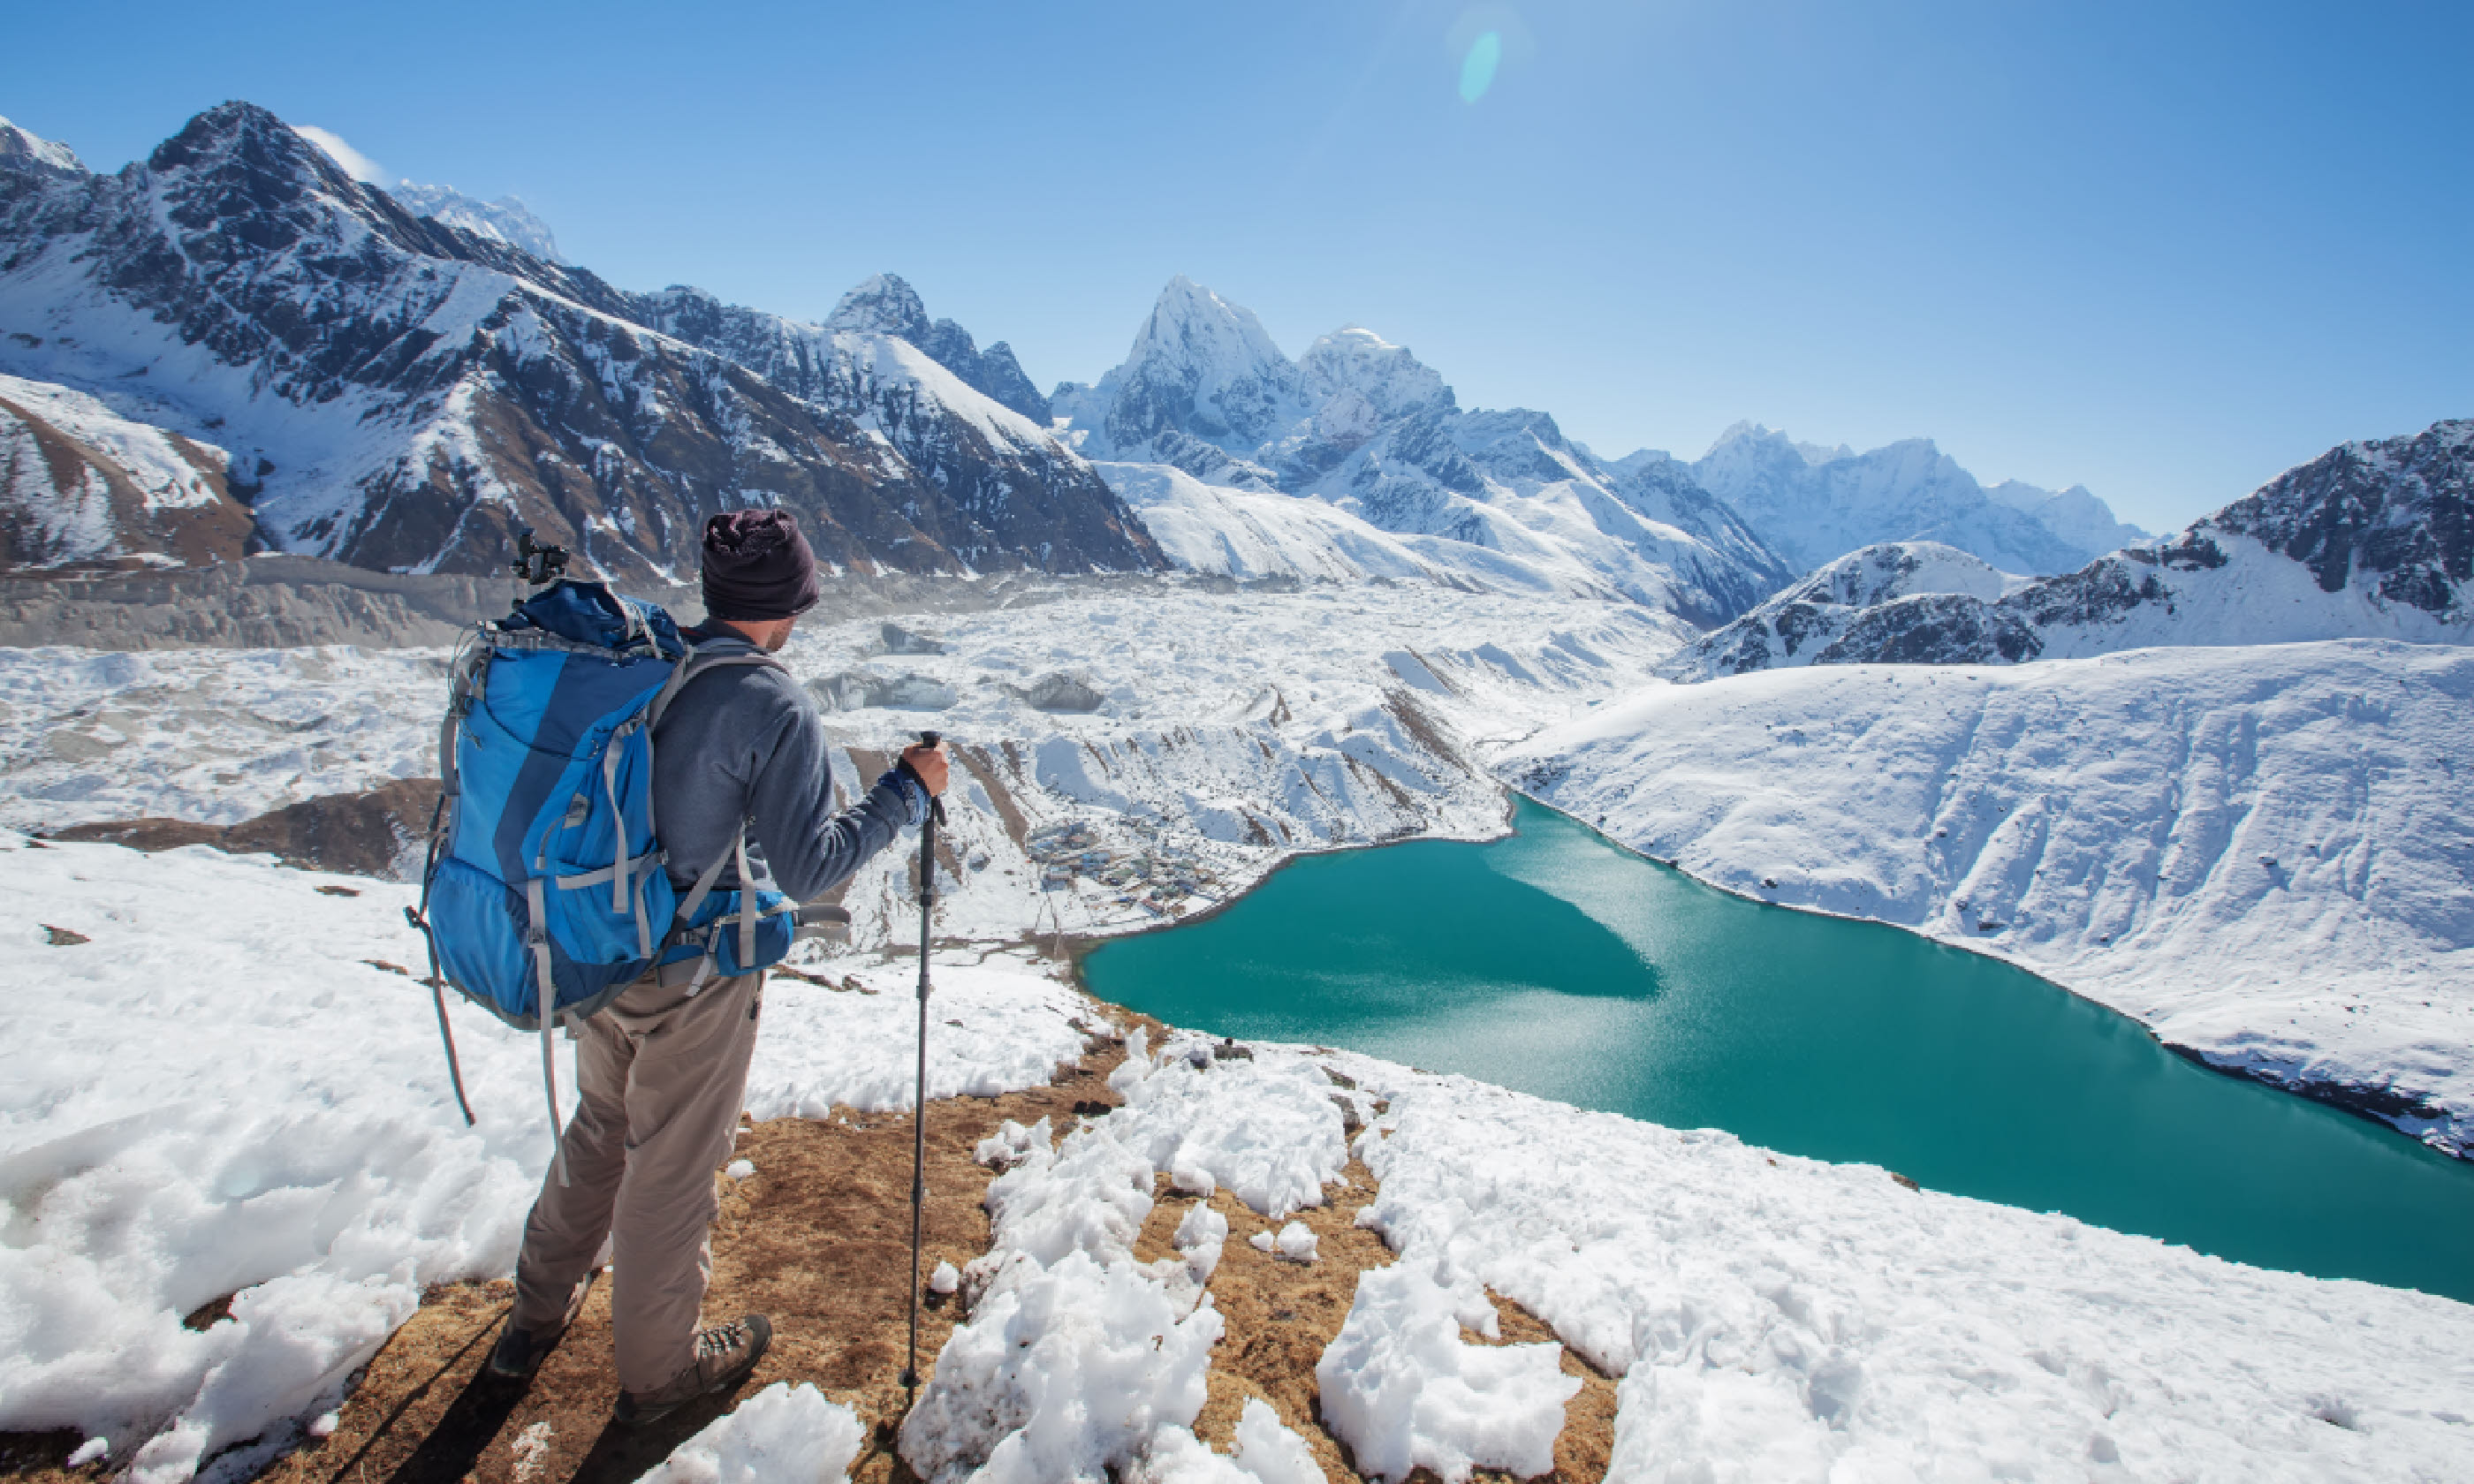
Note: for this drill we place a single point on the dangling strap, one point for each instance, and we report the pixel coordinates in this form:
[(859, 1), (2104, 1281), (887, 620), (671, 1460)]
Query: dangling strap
[(545, 1009), (454, 1072), (421, 916), (746, 906), (549, 1090)]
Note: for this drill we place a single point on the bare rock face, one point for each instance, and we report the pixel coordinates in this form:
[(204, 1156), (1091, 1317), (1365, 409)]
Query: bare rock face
[(460, 388)]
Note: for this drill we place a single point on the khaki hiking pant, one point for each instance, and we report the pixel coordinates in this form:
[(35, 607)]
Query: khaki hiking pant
[(660, 1078)]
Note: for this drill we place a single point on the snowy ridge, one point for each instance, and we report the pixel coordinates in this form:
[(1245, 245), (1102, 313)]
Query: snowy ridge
[(1807, 623), (83, 487), (22, 150), (1231, 530), (2370, 539), (1812, 504), (447, 388), (1361, 424), (2257, 852), (884, 305), (2074, 514)]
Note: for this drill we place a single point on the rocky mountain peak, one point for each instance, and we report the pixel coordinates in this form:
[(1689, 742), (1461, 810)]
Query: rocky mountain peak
[(883, 305), (1204, 367), (23, 150), (1190, 329), (2395, 515), (1355, 359)]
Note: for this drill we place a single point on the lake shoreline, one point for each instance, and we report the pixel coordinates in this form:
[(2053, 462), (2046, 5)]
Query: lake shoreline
[(2380, 1106)]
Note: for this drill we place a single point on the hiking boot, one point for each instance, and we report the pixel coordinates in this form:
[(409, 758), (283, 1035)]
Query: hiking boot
[(520, 1352), (725, 1354)]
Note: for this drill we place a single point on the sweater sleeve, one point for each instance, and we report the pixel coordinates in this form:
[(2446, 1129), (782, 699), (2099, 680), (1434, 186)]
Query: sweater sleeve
[(809, 848)]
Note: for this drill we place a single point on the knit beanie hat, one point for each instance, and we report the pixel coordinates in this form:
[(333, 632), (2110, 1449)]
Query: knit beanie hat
[(757, 567)]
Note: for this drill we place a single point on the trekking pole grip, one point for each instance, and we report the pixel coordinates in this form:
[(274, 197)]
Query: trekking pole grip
[(936, 802)]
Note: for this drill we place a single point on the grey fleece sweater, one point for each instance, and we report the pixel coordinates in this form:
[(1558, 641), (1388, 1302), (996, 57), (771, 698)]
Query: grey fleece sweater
[(743, 742)]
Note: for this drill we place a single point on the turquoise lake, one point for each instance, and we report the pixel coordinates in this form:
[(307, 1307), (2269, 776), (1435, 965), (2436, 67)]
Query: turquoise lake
[(1558, 964)]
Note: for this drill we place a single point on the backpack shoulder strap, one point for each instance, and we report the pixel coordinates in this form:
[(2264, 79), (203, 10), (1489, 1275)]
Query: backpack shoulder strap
[(700, 661)]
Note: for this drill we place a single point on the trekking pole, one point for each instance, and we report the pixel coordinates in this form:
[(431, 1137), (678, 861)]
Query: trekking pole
[(919, 1101)]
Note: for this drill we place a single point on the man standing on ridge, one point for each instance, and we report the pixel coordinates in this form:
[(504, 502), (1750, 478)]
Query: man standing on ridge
[(662, 1072)]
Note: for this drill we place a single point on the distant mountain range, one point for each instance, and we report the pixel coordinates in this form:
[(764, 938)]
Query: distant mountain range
[(2372, 539), (235, 345), (401, 392)]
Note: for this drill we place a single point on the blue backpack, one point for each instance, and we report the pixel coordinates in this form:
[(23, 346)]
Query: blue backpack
[(544, 885)]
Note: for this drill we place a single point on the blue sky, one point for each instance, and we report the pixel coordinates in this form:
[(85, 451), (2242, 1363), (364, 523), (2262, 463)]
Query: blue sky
[(2164, 249)]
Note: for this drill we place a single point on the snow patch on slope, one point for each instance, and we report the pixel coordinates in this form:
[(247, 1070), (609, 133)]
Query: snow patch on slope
[(1780, 1319), (2260, 852)]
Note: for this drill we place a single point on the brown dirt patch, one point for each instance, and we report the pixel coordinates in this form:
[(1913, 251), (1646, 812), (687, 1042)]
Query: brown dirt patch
[(43, 1457), (358, 834), (1281, 1315), (819, 1239)]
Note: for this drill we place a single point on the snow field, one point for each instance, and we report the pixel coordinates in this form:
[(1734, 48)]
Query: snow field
[(214, 1095), (216, 736), (2260, 852), (1780, 1320), (784, 1434), (1077, 1361)]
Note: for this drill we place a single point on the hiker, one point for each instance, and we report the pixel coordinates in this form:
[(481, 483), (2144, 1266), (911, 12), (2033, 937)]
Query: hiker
[(662, 1072)]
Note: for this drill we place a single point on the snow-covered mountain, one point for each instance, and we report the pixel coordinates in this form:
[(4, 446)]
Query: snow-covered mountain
[(83, 487), (505, 220), (1890, 583), (887, 306), (2372, 539), (23, 152), (1365, 427), (2074, 514), (1813, 504), (2258, 850), (402, 393)]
